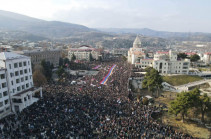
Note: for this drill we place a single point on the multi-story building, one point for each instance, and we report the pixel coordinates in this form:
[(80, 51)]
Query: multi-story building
[(207, 58), (37, 56), (85, 52), (17, 90), (164, 62)]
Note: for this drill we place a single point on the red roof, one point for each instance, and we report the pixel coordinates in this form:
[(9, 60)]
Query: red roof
[(208, 53), (190, 53)]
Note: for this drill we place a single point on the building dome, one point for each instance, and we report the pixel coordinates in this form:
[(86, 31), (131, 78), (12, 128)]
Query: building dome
[(137, 43)]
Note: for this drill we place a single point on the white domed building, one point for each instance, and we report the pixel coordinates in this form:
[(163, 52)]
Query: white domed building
[(136, 52)]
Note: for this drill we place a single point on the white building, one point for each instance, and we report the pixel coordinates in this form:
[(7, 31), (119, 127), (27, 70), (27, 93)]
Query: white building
[(164, 62), (136, 52), (207, 58), (84, 52), (17, 90)]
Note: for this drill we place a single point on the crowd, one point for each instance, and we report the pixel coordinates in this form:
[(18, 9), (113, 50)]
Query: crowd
[(87, 111)]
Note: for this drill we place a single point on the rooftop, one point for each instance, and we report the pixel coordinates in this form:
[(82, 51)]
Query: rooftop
[(10, 55)]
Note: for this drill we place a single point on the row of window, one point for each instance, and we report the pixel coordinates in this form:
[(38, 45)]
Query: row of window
[(17, 73), (23, 87), (20, 64), (21, 79)]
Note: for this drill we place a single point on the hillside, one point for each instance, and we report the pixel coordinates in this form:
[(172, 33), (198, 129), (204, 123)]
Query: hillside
[(180, 36), (52, 29)]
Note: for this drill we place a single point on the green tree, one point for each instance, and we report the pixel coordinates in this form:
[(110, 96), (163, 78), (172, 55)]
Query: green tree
[(153, 81), (47, 69), (73, 58), (180, 105), (182, 55), (204, 105), (60, 71), (60, 62), (194, 58), (66, 61), (90, 57)]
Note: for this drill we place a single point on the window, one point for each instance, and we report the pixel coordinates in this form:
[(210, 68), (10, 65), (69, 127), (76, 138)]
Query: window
[(185, 63), (20, 64), (25, 70), (27, 85), (23, 87), (6, 101), (18, 88), (26, 78), (29, 70), (10, 66), (16, 73), (28, 63), (15, 65), (2, 76), (24, 63), (11, 74), (0, 95), (4, 85), (17, 80), (22, 79), (5, 93), (1, 104), (12, 82), (21, 72)]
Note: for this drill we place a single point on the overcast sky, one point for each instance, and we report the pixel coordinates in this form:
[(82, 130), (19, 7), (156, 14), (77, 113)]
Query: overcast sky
[(165, 15)]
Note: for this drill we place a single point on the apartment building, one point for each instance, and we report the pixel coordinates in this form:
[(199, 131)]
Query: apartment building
[(17, 90)]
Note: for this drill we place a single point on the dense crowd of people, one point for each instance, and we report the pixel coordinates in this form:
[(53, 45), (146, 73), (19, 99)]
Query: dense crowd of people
[(89, 110)]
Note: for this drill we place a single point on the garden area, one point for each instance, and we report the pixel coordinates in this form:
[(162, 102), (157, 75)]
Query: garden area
[(180, 79)]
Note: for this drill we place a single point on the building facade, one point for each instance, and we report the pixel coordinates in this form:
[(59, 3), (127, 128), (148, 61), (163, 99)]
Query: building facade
[(164, 62), (85, 52), (17, 88), (136, 53), (207, 58), (48, 55)]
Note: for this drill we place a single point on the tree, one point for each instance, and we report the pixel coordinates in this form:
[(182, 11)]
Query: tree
[(152, 81), (38, 78), (180, 105), (182, 55), (60, 62), (204, 105), (194, 58), (73, 58), (47, 69), (145, 101), (90, 57), (124, 58), (60, 71)]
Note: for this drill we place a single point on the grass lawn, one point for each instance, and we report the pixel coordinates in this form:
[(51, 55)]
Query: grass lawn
[(189, 127), (181, 79)]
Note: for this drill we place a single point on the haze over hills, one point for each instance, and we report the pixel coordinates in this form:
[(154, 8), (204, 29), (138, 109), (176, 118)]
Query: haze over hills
[(51, 29), (162, 34), (19, 26)]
